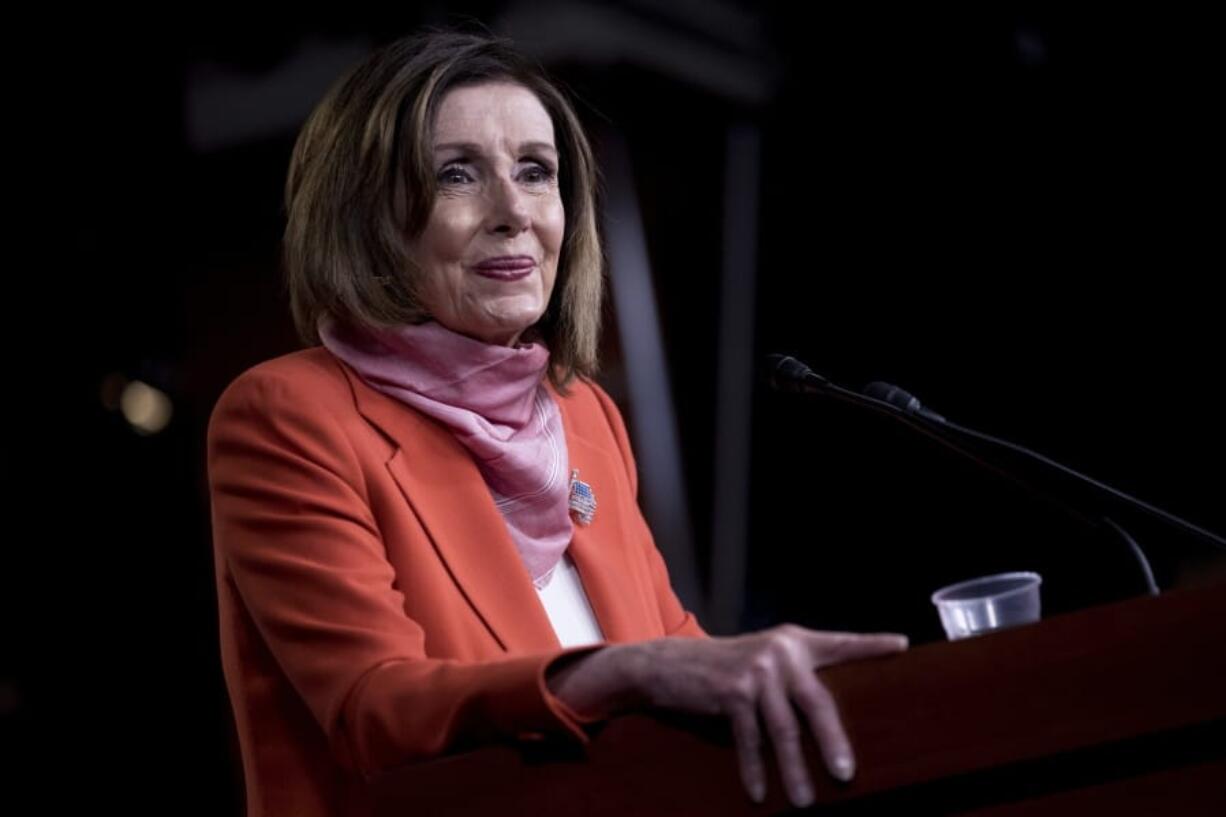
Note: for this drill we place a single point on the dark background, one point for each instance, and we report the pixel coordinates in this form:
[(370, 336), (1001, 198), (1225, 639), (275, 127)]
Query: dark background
[(1015, 214)]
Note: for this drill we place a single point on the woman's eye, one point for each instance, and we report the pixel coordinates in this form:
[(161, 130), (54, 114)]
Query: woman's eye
[(533, 174), (538, 174), (453, 175)]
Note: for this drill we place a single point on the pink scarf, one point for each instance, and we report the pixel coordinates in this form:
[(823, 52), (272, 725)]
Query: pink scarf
[(493, 399)]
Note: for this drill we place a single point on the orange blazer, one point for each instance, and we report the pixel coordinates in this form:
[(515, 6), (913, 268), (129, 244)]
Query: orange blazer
[(373, 607)]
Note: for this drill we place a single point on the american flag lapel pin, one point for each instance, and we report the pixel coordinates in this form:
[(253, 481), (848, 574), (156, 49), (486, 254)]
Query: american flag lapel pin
[(582, 500)]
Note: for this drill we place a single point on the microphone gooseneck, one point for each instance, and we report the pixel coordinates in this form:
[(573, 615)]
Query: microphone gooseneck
[(791, 375)]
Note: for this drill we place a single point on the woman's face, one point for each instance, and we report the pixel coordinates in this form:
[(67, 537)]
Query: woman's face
[(489, 252)]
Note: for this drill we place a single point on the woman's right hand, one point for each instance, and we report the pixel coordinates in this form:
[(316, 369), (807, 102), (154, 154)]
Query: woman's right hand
[(759, 681)]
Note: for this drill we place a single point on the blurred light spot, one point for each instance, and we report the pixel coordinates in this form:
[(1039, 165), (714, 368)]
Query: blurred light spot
[(10, 698), (1031, 50), (112, 390), (147, 409)]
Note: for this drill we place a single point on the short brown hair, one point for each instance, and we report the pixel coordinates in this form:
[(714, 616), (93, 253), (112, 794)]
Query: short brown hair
[(360, 185)]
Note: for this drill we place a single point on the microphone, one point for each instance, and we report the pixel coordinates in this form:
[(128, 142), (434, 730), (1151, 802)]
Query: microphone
[(787, 374), (903, 406), (889, 393)]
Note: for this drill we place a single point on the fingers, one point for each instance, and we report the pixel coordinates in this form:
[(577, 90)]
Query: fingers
[(822, 714), (749, 751), (772, 674), (784, 730), (837, 648)]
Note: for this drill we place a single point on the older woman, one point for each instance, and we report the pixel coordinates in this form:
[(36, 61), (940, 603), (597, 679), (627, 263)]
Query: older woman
[(425, 528)]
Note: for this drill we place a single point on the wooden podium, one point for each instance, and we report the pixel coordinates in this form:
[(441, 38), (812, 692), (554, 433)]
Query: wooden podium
[(1117, 709)]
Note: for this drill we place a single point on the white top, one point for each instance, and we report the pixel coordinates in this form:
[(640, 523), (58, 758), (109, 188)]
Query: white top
[(567, 606)]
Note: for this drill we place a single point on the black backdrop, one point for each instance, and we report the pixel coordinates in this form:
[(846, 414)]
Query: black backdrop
[(1014, 214)]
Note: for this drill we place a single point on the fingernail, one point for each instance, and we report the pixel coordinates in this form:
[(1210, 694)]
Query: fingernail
[(804, 795), (757, 792), (844, 768)]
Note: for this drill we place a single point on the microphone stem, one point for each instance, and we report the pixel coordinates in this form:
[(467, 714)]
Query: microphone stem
[(1146, 571), (927, 426), (1132, 500), (929, 431)]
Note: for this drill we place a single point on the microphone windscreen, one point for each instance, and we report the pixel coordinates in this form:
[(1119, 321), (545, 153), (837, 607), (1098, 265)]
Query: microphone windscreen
[(889, 393)]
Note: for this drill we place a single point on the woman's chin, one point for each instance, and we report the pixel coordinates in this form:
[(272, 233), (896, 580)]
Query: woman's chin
[(505, 329)]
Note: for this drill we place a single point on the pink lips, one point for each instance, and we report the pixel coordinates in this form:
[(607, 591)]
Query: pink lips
[(506, 267)]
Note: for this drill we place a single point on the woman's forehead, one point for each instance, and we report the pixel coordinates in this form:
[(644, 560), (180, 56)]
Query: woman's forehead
[(491, 114)]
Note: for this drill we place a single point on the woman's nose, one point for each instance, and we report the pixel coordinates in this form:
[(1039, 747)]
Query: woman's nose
[(509, 208)]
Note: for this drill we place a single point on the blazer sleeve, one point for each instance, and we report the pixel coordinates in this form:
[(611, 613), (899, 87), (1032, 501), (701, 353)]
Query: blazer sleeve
[(292, 524), (677, 620)]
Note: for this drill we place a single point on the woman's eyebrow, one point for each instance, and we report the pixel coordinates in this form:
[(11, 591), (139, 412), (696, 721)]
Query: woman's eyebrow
[(472, 147)]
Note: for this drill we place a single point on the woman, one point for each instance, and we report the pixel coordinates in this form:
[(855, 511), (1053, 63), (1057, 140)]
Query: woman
[(425, 529)]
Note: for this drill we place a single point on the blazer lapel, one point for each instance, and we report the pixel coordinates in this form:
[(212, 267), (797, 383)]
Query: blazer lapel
[(438, 478), (602, 550)]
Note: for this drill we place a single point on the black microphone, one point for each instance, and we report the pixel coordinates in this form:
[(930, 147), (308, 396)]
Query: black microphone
[(787, 374), (890, 399), (889, 393)]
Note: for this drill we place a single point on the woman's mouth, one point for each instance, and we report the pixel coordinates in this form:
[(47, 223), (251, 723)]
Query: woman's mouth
[(506, 268)]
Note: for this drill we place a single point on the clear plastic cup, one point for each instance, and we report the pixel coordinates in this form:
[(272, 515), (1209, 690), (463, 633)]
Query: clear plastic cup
[(988, 603)]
